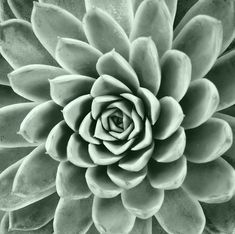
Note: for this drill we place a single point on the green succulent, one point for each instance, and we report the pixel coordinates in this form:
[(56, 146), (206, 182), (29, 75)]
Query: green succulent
[(117, 117)]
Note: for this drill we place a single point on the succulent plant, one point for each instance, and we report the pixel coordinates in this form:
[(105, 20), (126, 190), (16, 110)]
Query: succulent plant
[(117, 117)]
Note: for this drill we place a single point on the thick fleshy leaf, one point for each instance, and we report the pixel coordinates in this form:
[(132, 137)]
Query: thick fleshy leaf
[(221, 10), (5, 12), (208, 141), (110, 216), (76, 110), (211, 182), (21, 9), (170, 149), (136, 160), (57, 140), (34, 216), (108, 85), (152, 105), (101, 156), (121, 11), (138, 103), (73, 216), (143, 200), (50, 22), (31, 81), (180, 213), (172, 6), (4, 228), (76, 7), (77, 152), (115, 65), (104, 33), (37, 173), (171, 116), (39, 121), (10, 120), (77, 56), (9, 156), (199, 103), (145, 138), (176, 71), (5, 68), (100, 184), (220, 217), (230, 153), (144, 59), (222, 75), (10, 201), (118, 147), (20, 47), (87, 130), (71, 182), (153, 20), (9, 97), (125, 179), (206, 35), (142, 226), (167, 175)]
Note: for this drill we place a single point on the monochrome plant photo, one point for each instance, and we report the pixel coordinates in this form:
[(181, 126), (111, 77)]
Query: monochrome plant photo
[(117, 117)]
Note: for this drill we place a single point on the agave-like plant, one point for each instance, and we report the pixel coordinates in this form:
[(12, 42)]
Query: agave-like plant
[(114, 119)]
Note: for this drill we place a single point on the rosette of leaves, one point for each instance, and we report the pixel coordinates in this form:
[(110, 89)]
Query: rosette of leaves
[(114, 121)]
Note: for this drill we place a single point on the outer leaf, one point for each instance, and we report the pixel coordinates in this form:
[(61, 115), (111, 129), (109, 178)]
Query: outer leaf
[(76, 7), (77, 151), (176, 71), (64, 89), (31, 81), (153, 19), (199, 103), (142, 226), (211, 182), (143, 200), (221, 10), (50, 22), (20, 47), (104, 33), (100, 184), (9, 97), (206, 35), (171, 116), (57, 140), (5, 69), (121, 11), (77, 56), (208, 141), (222, 75), (125, 179), (36, 174), (10, 120), (167, 175), (9, 156), (115, 65), (4, 228), (180, 213), (144, 60), (110, 216), (22, 10), (34, 216), (37, 124), (76, 110), (171, 148), (71, 182), (73, 216)]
